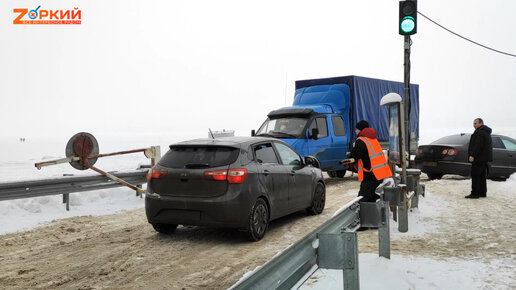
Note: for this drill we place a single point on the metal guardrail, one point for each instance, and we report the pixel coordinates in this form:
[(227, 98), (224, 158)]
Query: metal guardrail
[(404, 197), (67, 184), (333, 245)]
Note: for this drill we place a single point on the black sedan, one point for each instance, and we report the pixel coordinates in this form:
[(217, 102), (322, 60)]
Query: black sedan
[(235, 182), (449, 155)]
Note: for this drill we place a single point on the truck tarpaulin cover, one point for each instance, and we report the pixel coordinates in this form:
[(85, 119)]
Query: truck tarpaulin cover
[(366, 94)]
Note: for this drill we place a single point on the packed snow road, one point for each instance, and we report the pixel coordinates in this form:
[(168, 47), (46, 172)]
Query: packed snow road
[(122, 251)]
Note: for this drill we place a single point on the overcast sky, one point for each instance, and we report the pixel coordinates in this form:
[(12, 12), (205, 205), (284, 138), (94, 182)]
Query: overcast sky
[(177, 68)]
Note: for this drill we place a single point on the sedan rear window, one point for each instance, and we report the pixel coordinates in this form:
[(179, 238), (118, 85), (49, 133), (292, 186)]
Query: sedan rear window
[(453, 140), (198, 157)]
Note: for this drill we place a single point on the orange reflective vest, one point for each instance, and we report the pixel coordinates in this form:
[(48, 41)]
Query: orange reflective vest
[(379, 164)]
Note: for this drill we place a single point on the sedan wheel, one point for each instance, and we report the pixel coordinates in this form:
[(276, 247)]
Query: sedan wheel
[(432, 176), (318, 200), (258, 221), (165, 228)]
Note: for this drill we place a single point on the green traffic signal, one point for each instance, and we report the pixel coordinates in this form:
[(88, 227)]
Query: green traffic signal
[(407, 24)]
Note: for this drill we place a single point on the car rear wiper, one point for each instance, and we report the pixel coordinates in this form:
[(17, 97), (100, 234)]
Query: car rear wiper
[(197, 165)]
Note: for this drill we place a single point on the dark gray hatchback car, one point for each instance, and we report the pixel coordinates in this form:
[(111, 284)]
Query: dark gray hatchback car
[(235, 182)]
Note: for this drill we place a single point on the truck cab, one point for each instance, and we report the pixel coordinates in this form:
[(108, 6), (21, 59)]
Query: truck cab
[(315, 125)]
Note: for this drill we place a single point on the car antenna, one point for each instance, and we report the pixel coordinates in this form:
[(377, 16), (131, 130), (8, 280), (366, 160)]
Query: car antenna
[(212, 137)]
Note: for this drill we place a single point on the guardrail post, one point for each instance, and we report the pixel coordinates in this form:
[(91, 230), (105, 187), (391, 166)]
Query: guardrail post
[(384, 234), (376, 215), (340, 251), (66, 199), (419, 189), (412, 186), (351, 278), (403, 211)]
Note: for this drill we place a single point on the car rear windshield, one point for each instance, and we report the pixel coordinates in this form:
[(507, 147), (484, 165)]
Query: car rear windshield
[(198, 157), (453, 140)]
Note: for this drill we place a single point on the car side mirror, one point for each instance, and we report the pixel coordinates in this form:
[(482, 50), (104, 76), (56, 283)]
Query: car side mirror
[(253, 132), (315, 133), (312, 161)]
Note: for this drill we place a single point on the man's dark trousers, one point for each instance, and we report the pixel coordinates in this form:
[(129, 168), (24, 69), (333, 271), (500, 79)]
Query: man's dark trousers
[(367, 188), (478, 178)]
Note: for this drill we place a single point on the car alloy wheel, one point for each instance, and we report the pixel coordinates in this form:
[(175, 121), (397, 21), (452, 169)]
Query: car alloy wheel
[(258, 220), (318, 200)]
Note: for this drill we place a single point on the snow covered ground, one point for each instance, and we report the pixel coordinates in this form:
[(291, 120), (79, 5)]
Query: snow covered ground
[(406, 272), (401, 272), (429, 272)]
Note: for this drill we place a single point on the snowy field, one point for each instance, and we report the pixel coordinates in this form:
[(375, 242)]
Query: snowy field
[(401, 272)]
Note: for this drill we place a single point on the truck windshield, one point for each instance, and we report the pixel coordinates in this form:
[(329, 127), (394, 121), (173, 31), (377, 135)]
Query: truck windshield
[(288, 127)]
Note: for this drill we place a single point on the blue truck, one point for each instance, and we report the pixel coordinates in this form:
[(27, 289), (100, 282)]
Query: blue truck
[(321, 121)]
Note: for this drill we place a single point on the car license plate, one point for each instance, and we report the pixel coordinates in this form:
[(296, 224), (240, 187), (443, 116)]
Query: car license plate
[(430, 163)]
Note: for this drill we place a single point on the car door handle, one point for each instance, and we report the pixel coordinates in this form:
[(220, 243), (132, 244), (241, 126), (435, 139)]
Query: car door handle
[(266, 172), (292, 172)]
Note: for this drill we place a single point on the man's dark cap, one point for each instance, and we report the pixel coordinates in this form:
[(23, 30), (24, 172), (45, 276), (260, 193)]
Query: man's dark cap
[(362, 125)]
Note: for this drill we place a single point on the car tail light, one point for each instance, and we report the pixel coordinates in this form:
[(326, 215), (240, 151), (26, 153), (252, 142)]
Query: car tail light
[(419, 150), (216, 175), (155, 173), (450, 152), (232, 175), (237, 175)]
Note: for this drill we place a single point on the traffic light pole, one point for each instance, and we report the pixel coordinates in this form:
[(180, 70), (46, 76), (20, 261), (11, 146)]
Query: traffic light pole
[(407, 26), (405, 141), (406, 49)]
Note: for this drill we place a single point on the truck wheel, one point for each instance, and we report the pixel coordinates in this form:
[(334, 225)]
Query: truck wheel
[(319, 199), (340, 173), (165, 228), (258, 221)]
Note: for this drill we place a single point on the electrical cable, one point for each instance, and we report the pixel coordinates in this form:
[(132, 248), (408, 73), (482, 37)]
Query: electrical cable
[(487, 47)]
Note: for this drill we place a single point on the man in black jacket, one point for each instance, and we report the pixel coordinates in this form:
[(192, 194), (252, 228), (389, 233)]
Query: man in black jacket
[(480, 152)]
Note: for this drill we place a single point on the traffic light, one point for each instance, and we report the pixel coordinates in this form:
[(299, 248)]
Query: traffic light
[(408, 17)]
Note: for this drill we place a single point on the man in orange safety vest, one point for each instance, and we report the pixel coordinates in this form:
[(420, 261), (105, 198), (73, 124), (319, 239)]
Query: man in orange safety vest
[(371, 162)]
